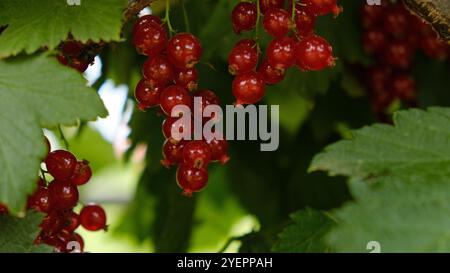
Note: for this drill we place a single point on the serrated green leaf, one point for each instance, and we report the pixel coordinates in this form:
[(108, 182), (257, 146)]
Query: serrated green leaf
[(34, 92), (17, 235), (33, 24), (306, 233)]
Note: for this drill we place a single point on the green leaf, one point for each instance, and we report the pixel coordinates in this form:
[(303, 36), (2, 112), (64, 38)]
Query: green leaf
[(306, 233), (405, 205), (34, 92), (17, 235), (33, 24)]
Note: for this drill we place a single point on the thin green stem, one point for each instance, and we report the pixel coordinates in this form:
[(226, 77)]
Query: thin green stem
[(258, 19), (293, 10), (167, 18), (43, 176), (185, 16), (61, 134)]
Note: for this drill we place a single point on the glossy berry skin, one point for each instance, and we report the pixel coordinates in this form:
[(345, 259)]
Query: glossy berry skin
[(374, 40), (196, 153), (145, 21), (40, 200), (184, 50), (82, 173), (170, 124), (72, 222), (172, 96), (243, 57), (281, 53), (150, 39), (146, 96), (219, 150), (158, 71), (277, 22), (269, 74), (172, 152), (187, 78), (314, 53), (304, 21), (403, 86), (248, 88), (93, 217), (322, 7), (63, 194), (53, 222), (61, 164), (243, 17), (191, 179), (398, 54), (265, 5)]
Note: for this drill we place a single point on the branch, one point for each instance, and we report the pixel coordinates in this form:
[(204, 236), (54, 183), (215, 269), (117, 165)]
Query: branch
[(436, 12), (134, 7)]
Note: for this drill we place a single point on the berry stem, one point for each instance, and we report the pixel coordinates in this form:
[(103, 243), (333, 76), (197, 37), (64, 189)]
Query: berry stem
[(167, 18), (63, 137), (43, 176), (293, 10), (185, 16), (258, 19)]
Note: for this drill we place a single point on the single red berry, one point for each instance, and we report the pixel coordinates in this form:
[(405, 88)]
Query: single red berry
[(248, 88), (314, 53), (158, 71), (71, 48), (434, 47), (372, 15), (219, 150), (403, 86), (187, 78), (184, 50), (281, 53), (265, 5), (374, 40), (243, 57), (77, 237), (277, 22), (208, 97), (173, 130), (269, 74), (322, 7), (172, 96), (243, 17), (40, 200), (63, 194), (144, 21), (172, 152), (61, 164), (304, 21), (146, 96), (82, 173), (72, 221), (93, 217), (191, 179), (395, 21), (398, 54), (197, 153), (150, 39)]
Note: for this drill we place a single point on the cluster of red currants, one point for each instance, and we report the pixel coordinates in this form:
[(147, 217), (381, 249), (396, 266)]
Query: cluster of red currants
[(294, 43), (170, 79), (77, 55), (393, 35), (58, 199)]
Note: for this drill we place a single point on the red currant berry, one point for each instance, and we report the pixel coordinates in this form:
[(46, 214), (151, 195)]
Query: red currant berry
[(39, 200), (77, 237), (71, 48), (314, 53), (322, 7), (172, 96), (371, 15), (82, 173), (281, 53), (150, 39), (187, 78), (265, 5), (196, 153), (277, 22), (219, 150), (403, 87), (374, 41), (170, 125), (244, 17), (144, 21), (434, 47), (52, 223), (269, 74), (146, 96), (63, 194), (304, 21), (208, 97), (158, 71), (243, 57), (61, 164), (191, 179), (398, 54), (93, 217), (377, 78), (72, 222), (248, 88), (172, 152), (395, 21), (184, 50)]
